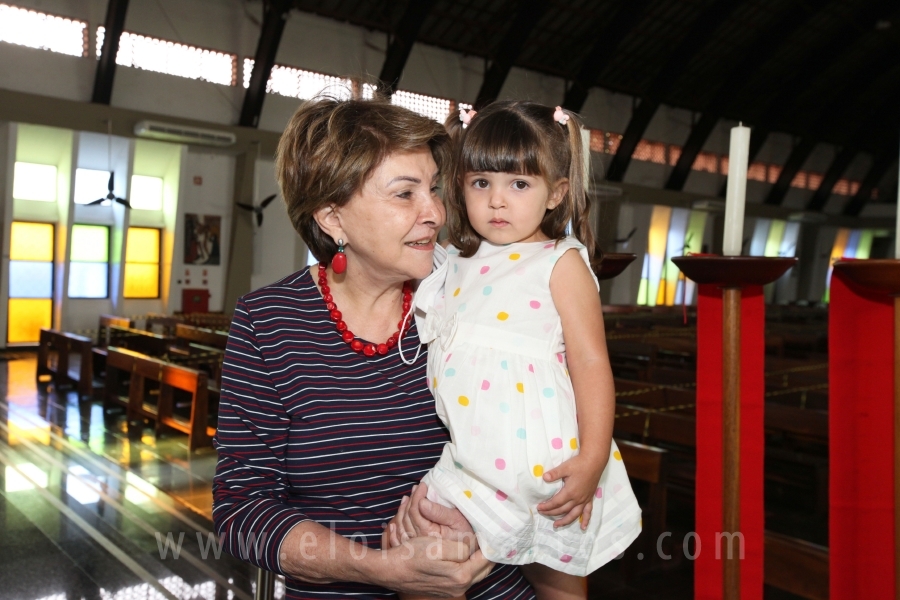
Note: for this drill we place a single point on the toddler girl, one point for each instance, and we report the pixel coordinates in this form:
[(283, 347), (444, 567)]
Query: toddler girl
[(517, 354)]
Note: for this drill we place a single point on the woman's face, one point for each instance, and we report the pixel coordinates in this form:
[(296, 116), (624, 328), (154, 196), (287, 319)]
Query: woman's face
[(390, 226)]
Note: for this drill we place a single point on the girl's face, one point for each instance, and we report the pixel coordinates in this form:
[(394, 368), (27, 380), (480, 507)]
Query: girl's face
[(504, 208)]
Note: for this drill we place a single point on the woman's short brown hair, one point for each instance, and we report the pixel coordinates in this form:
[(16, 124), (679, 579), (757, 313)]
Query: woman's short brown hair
[(331, 147)]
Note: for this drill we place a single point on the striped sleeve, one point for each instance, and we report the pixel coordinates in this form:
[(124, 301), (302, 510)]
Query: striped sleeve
[(250, 490)]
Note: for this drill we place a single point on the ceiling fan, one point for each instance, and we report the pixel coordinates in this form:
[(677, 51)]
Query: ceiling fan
[(110, 195), (258, 210)]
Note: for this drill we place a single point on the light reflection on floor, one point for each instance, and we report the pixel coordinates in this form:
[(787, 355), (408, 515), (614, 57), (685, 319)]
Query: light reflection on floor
[(73, 480)]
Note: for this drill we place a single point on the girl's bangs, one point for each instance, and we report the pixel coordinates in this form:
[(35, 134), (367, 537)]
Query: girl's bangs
[(501, 145)]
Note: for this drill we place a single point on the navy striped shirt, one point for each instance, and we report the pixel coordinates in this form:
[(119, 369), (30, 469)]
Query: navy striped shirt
[(311, 430)]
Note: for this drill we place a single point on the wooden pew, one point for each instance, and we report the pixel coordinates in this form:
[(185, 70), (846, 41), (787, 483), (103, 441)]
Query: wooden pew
[(169, 378), (196, 426), (630, 359), (165, 325), (215, 321), (74, 360), (141, 341), (802, 424), (119, 365), (796, 566), (103, 333), (188, 334), (648, 464)]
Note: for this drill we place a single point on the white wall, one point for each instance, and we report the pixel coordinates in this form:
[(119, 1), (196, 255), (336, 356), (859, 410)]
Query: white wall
[(337, 48), (207, 189), (278, 250)]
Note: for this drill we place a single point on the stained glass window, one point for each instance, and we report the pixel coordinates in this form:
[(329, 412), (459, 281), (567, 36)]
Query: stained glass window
[(90, 185), (142, 263), (146, 192), (89, 266), (34, 182), (30, 281)]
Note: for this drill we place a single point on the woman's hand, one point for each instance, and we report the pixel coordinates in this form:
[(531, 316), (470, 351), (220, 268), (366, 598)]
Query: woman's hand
[(434, 567), (419, 519), (580, 475), (417, 516)]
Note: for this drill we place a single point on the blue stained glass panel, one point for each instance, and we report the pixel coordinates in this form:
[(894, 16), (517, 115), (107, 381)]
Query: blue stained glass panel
[(30, 279), (88, 280)]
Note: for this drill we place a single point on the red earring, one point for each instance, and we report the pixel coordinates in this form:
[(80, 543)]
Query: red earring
[(339, 261)]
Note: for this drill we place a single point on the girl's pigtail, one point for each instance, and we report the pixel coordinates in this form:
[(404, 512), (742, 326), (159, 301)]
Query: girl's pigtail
[(579, 187), (454, 127)]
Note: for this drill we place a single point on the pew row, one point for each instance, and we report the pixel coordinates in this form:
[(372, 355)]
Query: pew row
[(146, 375)]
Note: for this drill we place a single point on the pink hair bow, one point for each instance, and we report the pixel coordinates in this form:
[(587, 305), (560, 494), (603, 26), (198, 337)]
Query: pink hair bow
[(560, 116), (466, 116)]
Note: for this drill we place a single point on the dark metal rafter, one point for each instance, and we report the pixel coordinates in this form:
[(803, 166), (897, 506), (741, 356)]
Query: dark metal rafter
[(106, 66), (610, 36), (761, 50), (819, 59), (696, 38), (832, 174), (792, 165), (527, 16), (274, 18), (882, 161), (401, 44)]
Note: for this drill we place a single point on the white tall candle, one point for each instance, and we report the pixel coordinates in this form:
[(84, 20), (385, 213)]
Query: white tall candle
[(736, 192)]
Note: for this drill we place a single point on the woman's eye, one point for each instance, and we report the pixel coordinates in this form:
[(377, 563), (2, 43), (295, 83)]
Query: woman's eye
[(435, 189), (407, 194)]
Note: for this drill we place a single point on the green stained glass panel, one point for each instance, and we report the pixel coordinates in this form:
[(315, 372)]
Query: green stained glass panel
[(90, 243)]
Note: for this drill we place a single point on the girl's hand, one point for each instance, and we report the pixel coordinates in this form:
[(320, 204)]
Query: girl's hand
[(580, 475)]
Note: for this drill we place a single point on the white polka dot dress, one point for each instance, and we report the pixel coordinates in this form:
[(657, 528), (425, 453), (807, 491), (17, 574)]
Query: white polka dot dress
[(497, 368)]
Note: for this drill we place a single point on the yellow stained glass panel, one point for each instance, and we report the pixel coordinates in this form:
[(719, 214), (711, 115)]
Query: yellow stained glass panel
[(141, 280), (142, 245), (31, 241), (26, 317)]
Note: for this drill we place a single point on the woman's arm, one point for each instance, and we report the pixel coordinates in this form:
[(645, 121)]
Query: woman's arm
[(256, 523), (250, 509), (420, 566), (575, 295)]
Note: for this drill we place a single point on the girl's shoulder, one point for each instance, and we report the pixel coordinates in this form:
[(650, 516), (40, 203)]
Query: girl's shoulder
[(572, 243)]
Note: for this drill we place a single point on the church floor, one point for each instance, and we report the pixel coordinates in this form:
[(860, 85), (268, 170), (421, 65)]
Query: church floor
[(86, 512)]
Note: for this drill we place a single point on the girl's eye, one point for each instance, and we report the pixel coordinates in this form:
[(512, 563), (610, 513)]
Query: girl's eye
[(480, 184), (520, 185)]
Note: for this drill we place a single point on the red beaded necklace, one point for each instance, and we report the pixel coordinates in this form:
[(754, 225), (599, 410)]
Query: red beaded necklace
[(358, 345)]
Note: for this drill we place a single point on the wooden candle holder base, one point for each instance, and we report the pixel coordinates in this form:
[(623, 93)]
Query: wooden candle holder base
[(882, 278), (613, 264), (732, 274)]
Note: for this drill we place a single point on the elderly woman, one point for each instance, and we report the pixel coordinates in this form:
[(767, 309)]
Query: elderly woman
[(324, 424)]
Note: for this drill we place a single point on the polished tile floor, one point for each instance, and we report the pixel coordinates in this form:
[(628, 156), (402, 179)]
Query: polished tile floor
[(86, 512)]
